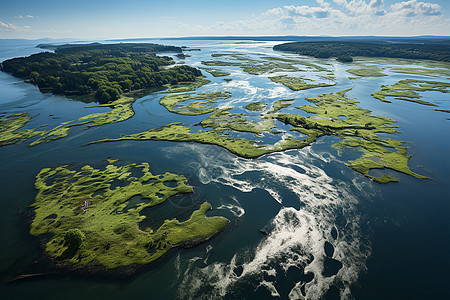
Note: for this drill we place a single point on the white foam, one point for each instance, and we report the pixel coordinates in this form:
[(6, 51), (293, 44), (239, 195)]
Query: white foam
[(236, 209), (298, 236)]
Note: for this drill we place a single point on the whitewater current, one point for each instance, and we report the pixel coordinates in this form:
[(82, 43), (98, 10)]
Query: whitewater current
[(321, 242)]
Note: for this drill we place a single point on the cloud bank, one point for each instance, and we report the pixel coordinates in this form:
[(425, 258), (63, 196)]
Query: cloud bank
[(340, 17)]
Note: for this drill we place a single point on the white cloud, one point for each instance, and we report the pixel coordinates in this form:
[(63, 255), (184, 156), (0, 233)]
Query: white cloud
[(339, 17), (413, 8), (23, 17), (12, 27)]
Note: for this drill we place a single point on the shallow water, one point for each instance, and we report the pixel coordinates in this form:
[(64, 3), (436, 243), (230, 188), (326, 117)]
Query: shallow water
[(332, 232)]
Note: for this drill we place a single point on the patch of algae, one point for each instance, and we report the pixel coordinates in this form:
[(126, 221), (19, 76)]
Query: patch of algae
[(366, 72), (203, 103), (90, 222), (297, 84), (407, 90), (335, 114), (11, 132)]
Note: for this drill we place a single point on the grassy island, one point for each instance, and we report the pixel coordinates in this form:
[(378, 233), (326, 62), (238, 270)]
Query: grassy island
[(367, 72), (12, 132), (333, 114), (435, 72), (256, 106), (93, 216), (112, 73), (216, 72), (407, 90), (298, 84), (202, 104)]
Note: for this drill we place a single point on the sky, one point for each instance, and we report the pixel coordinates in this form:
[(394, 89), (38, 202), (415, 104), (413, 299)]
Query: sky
[(100, 19)]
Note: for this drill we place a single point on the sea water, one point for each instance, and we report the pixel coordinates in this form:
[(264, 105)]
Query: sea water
[(302, 224)]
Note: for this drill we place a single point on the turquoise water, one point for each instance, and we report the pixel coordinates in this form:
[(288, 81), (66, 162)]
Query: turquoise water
[(389, 241)]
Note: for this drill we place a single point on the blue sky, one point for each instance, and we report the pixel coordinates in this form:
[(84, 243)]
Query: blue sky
[(172, 18)]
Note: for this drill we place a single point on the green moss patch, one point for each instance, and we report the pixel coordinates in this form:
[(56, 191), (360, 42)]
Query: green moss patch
[(90, 222)]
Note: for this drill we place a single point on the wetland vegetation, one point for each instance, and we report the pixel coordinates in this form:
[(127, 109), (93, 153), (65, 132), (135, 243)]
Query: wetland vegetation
[(334, 114), (88, 221), (298, 84), (408, 89)]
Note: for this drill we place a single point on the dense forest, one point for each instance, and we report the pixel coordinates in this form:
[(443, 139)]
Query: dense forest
[(327, 49), (103, 70)]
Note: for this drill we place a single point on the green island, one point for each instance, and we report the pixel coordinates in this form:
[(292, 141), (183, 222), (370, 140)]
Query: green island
[(435, 72), (366, 72), (216, 72), (223, 120), (175, 102), (280, 104), (262, 65), (256, 106), (326, 49), (93, 216), (407, 90), (298, 84), (12, 132), (335, 114), (104, 71), (112, 73)]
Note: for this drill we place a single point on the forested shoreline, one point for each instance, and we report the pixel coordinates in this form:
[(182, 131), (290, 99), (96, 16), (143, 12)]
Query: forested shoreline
[(327, 49), (105, 71)]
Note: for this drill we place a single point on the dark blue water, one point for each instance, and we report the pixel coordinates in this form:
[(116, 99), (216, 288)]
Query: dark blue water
[(383, 241)]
